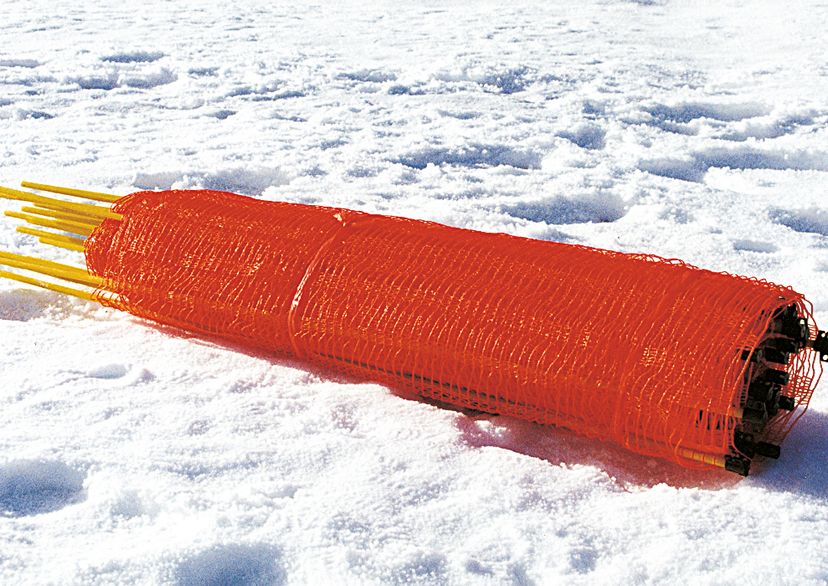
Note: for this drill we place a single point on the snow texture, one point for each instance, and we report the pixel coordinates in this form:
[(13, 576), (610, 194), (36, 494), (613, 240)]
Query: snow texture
[(135, 454)]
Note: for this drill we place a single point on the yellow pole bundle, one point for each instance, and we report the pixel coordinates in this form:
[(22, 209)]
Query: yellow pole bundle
[(92, 211), (73, 222)]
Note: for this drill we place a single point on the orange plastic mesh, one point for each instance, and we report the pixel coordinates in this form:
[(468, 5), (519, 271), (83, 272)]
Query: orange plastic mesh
[(636, 349)]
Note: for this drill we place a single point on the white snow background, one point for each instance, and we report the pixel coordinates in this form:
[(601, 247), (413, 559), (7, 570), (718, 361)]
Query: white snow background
[(134, 454)]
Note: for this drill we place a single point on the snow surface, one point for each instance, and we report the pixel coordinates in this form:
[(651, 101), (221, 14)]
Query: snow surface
[(135, 454)]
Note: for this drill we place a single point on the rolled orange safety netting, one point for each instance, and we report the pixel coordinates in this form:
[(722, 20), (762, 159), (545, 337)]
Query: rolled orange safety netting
[(668, 360)]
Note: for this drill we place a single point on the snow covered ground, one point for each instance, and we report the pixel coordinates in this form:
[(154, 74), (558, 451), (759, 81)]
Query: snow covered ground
[(137, 455)]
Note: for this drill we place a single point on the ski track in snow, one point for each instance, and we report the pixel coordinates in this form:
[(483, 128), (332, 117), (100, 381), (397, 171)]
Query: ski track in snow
[(131, 453)]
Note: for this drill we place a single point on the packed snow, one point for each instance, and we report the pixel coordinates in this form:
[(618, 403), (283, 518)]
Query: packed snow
[(135, 454)]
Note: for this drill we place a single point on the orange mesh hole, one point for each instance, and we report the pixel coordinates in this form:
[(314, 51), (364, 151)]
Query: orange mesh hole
[(635, 349)]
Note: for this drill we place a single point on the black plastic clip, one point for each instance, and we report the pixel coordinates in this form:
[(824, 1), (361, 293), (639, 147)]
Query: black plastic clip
[(820, 345), (744, 443), (779, 377), (762, 391), (737, 464), (755, 411), (787, 403), (776, 355), (754, 416), (768, 450), (784, 345), (793, 326)]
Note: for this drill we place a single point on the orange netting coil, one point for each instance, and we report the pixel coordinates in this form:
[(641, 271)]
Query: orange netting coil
[(650, 353)]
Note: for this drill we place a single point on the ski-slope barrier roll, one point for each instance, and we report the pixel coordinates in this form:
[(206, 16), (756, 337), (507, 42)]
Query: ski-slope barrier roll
[(666, 359)]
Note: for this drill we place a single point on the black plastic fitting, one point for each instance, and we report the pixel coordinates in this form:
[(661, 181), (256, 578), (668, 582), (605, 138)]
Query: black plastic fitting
[(778, 377), (768, 450), (744, 443), (761, 390), (776, 355), (787, 403), (737, 464), (820, 345)]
